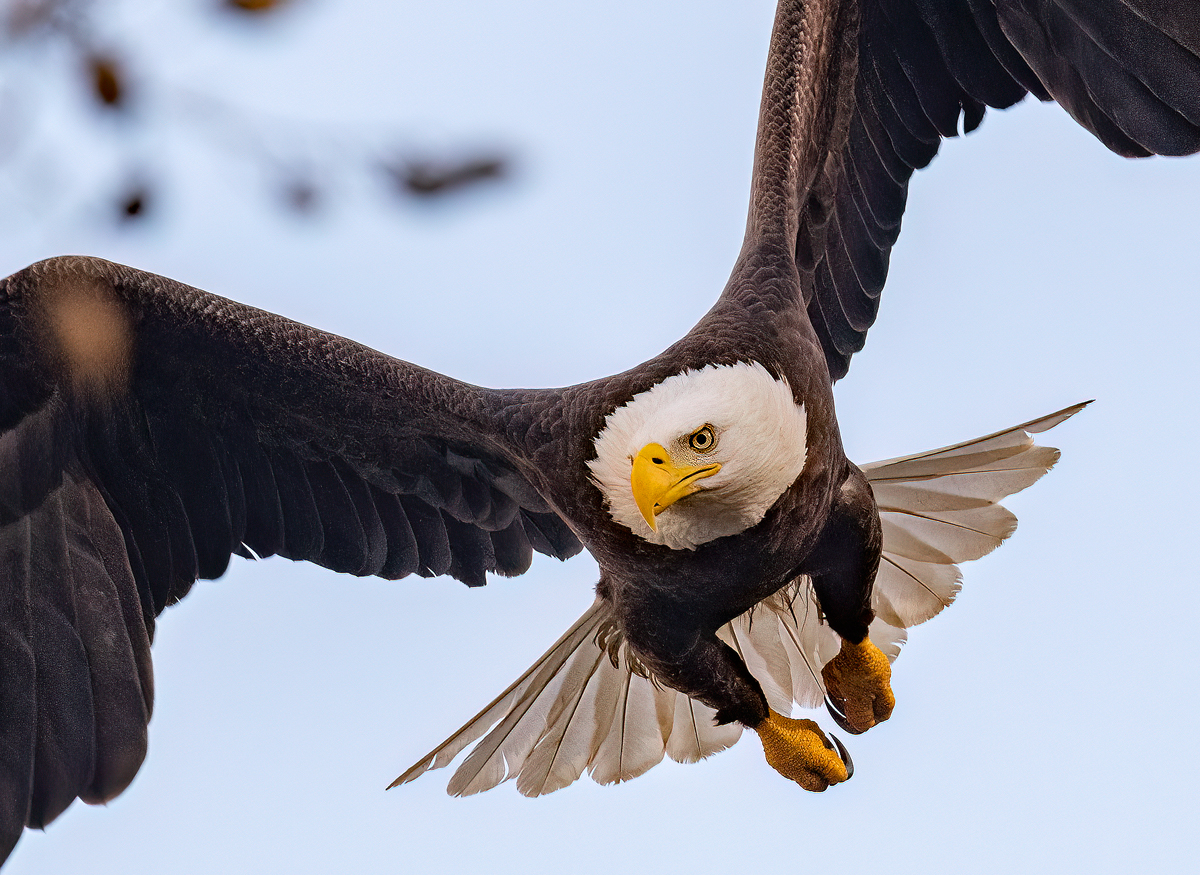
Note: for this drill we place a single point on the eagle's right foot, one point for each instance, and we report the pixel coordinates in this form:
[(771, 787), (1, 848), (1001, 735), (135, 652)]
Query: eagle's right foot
[(858, 681)]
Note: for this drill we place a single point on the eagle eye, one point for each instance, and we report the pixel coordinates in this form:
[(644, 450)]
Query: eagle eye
[(703, 440)]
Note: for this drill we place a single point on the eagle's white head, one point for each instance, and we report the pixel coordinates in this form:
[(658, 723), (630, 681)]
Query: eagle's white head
[(701, 455)]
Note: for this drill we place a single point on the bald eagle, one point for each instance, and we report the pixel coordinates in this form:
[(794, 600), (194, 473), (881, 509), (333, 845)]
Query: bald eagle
[(150, 431)]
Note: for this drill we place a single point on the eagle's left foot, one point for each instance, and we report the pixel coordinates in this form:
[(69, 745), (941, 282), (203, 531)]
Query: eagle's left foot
[(858, 681), (799, 750)]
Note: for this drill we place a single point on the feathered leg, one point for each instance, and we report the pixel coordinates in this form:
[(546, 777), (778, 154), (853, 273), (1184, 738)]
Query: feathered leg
[(843, 568), (700, 665)]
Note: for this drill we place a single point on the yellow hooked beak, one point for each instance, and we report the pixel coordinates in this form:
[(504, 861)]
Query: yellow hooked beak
[(658, 482)]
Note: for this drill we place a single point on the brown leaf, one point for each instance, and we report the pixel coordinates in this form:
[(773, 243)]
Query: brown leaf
[(429, 178), (106, 80), (133, 202), (254, 7)]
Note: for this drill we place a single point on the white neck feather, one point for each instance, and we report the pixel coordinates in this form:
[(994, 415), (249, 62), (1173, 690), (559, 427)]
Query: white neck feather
[(761, 447)]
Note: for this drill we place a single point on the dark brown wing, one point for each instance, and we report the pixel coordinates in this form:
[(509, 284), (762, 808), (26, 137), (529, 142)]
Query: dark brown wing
[(921, 70), (148, 431)]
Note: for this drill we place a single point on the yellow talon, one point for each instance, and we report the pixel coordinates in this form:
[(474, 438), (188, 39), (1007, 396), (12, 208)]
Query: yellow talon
[(858, 681), (799, 750)]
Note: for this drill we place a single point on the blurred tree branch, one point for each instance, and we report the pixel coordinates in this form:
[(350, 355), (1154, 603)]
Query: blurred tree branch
[(60, 45)]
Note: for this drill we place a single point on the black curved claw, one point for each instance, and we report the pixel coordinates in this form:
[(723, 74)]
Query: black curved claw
[(840, 718), (845, 755)]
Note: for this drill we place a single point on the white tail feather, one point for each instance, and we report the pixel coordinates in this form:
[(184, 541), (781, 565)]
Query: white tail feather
[(634, 741), (940, 508), (514, 699), (585, 705)]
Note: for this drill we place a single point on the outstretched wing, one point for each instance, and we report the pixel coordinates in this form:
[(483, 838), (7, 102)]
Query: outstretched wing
[(587, 704), (149, 431), (847, 119)]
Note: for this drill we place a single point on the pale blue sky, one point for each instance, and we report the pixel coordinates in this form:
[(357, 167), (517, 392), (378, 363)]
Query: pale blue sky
[(1043, 721)]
